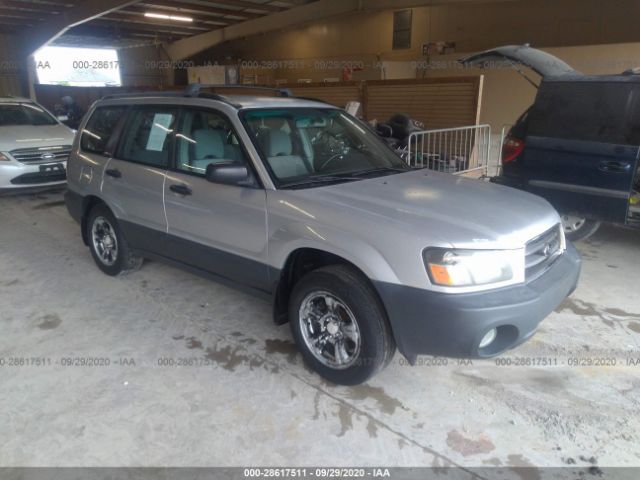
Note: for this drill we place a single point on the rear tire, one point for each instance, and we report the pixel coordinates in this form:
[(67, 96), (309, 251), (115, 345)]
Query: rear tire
[(578, 228), (109, 249), (340, 326)]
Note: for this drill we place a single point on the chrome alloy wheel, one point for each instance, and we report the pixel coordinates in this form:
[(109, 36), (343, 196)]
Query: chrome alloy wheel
[(572, 224), (105, 242), (330, 330)]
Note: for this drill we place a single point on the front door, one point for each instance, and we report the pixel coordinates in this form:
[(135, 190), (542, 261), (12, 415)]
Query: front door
[(215, 227)]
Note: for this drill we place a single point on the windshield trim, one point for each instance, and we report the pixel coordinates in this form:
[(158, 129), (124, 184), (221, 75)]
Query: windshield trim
[(284, 185)]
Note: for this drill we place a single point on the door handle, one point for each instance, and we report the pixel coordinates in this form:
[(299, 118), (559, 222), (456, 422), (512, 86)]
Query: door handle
[(614, 167), (180, 189), (113, 172)]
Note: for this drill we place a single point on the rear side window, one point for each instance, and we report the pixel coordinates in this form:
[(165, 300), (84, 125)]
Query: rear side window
[(100, 127), (587, 111), (149, 136)]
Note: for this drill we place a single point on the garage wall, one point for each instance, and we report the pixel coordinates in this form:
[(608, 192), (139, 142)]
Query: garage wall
[(12, 71), (145, 66), (338, 94), (367, 36)]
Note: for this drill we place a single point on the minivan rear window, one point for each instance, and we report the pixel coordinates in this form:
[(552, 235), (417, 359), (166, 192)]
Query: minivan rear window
[(587, 111)]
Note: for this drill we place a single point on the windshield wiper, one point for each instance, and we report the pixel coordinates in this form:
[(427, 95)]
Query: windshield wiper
[(318, 180), (346, 177), (364, 173)]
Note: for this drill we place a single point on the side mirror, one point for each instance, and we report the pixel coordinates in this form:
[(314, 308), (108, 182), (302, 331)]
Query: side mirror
[(228, 174), (62, 118)]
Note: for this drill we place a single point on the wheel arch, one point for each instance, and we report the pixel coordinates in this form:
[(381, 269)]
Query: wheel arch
[(88, 203), (302, 261)]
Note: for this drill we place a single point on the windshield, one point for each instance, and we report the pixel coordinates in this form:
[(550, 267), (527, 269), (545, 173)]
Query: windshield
[(308, 146), (24, 114)]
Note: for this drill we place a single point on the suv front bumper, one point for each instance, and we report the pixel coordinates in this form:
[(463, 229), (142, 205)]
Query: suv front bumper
[(453, 325)]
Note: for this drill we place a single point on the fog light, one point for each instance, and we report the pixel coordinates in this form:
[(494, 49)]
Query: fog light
[(488, 338)]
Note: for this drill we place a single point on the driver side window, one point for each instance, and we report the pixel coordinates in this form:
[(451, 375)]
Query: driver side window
[(205, 137)]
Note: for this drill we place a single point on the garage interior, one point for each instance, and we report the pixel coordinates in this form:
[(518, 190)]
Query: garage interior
[(564, 402)]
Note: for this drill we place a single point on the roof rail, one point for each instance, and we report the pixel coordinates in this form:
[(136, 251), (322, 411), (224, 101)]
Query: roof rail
[(193, 90), (171, 93)]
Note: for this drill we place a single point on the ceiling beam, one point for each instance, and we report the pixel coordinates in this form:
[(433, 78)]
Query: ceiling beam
[(110, 33), (140, 28), (134, 11), (136, 18), (32, 7), (265, 7), (10, 13), (17, 21), (179, 6), (37, 37)]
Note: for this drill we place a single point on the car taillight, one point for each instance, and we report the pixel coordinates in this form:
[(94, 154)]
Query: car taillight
[(511, 149)]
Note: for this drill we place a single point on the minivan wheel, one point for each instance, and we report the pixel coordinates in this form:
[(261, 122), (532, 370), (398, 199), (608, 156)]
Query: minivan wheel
[(109, 248), (340, 326), (578, 228)]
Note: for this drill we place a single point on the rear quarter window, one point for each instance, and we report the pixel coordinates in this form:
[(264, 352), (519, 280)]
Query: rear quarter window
[(602, 112), (100, 127)]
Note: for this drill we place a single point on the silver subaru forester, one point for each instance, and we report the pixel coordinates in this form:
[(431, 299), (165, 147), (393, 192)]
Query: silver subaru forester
[(300, 202)]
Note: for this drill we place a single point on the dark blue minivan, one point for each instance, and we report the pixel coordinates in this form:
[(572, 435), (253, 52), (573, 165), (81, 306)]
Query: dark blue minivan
[(578, 145)]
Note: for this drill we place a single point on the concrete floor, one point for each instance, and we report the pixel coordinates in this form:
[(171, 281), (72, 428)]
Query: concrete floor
[(252, 402)]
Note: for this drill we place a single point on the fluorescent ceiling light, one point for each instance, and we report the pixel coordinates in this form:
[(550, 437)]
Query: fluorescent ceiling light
[(177, 18)]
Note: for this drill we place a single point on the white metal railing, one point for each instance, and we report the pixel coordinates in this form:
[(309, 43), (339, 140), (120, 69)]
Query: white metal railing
[(461, 151)]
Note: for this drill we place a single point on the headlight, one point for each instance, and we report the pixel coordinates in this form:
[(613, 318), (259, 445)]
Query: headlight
[(470, 268), (4, 157)]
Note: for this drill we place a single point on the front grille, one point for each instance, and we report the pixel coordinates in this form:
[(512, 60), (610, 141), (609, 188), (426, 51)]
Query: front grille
[(542, 252), (39, 177), (35, 156)]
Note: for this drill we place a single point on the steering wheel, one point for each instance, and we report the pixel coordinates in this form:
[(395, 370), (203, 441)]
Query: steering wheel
[(331, 159)]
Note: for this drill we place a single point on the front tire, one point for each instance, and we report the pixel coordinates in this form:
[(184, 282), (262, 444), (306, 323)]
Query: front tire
[(109, 248), (578, 228), (340, 326)]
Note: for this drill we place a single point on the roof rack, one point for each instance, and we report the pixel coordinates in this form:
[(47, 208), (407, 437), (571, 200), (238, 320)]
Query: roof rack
[(193, 90), (172, 93)]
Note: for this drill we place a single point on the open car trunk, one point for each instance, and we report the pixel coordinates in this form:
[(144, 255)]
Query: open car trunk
[(543, 63)]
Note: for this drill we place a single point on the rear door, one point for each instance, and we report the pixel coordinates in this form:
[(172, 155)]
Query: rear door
[(214, 227), (134, 178), (582, 147)]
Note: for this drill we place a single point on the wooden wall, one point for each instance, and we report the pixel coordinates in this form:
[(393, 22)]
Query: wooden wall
[(436, 102)]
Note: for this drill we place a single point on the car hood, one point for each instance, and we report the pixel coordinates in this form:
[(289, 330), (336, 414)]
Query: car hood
[(446, 209), (26, 136), (543, 63)]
